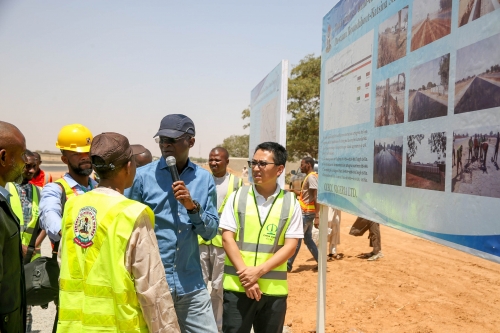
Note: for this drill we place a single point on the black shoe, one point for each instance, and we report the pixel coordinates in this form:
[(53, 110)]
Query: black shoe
[(315, 269)]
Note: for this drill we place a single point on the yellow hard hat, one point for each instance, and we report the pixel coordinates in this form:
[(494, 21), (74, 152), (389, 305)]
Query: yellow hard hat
[(74, 137)]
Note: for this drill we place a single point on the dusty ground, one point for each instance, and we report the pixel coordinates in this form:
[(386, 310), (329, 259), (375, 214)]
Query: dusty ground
[(418, 286), (421, 182)]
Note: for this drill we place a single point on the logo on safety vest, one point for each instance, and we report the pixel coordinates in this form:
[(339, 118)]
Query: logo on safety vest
[(85, 226), (271, 229)]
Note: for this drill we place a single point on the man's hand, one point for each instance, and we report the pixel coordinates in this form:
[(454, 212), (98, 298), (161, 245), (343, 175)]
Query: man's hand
[(316, 222), (254, 292), (25, 250), (249, 275), (182, 195)]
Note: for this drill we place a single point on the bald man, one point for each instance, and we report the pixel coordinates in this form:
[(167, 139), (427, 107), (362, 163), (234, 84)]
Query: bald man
[(143, 156), (212, 253), (12, 286)]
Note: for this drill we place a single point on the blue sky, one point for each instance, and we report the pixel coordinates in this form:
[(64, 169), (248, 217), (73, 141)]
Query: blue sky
[(122, 65)]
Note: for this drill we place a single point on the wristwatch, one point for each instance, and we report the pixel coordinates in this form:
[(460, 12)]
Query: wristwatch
[(196, 208)]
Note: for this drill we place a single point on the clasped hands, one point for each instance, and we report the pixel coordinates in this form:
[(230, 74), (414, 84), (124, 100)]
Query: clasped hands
[(248, 277)]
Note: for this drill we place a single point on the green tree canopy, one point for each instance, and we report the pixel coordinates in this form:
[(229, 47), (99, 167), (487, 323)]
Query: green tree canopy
[(303, 105), (236, 145)]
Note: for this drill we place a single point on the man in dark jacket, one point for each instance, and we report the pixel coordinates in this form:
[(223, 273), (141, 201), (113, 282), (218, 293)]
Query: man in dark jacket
[(12, 287)]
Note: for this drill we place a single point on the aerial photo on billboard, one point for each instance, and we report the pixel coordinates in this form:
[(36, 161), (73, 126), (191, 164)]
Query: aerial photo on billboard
[(390, 101), (428, 96), (392, 38), (431, 20), (477, 84), (388, 161)]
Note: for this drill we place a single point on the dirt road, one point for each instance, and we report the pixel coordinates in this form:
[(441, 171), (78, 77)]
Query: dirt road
[(419, 286)]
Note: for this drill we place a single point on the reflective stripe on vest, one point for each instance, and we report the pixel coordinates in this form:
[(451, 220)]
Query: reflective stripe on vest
[(234, 183), (311, 206), (16, 205), (97, 292), (259, 242)]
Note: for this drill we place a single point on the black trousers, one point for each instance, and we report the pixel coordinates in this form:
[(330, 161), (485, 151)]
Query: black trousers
[(241, 312)]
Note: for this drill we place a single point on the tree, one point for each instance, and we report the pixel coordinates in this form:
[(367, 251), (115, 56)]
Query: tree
[(246, 114), (237, 145), (444, 70), (412, 145), (303, 105), (437, 141)]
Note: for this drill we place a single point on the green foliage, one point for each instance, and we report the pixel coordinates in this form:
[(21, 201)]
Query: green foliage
[(412, 145), (303, 105), (236, 145), (246, 114), (437, 141)]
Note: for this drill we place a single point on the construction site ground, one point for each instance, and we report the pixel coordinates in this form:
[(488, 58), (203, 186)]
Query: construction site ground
[(418, 287)]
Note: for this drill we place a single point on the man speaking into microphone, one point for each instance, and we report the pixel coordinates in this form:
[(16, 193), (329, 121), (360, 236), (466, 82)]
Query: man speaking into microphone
[(184, 199)]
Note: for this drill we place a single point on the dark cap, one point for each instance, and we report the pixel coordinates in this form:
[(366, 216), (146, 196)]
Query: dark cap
[(175, 125), (113, 148)]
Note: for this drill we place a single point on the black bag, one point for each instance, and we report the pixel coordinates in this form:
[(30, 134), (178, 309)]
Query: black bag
[(359, 227), (42, 274), (42, 280)]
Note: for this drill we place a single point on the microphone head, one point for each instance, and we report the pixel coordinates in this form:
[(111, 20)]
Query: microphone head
[(170, 161)]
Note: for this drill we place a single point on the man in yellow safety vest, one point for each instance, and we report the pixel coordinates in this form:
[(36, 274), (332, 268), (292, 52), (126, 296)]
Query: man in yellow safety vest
[(212, 253), (74, 142), (112, 277), (24, 201), (261, 225), (310, 210)]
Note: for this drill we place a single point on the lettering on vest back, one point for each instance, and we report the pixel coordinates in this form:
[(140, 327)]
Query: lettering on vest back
[(85, 226)]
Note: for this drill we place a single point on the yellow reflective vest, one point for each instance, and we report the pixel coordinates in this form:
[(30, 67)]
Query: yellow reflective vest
[(97, 293), (234, 183), (309, 207), (27, 228), (259, 242)]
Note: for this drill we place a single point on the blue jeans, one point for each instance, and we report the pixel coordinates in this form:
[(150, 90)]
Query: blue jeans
[(194, 312), (308, 220)]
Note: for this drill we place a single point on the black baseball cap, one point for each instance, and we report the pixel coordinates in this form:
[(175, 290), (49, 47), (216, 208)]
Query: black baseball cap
[(175, 125)]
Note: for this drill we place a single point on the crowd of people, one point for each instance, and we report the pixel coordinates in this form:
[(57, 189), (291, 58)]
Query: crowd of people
[(138, 247)]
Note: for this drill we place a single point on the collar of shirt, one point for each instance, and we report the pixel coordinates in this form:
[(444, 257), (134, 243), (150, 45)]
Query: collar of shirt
[(263, 205), (163, 165), (4, 193), (174, 227), (72, 183)]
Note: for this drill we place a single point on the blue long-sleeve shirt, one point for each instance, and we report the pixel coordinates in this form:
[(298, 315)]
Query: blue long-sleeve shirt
[(175, 229), (50, 204)]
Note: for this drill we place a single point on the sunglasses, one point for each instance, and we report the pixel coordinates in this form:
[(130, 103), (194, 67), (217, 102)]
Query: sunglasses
[(261, 164), (166, 139)]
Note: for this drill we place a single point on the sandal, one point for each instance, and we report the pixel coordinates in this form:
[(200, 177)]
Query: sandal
[(339, 256)]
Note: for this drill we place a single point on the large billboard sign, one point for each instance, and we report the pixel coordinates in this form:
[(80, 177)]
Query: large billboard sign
[(410, 117), (268, 102)]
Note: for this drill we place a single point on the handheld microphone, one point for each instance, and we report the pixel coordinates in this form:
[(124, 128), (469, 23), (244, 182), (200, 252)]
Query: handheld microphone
[(173, 169)]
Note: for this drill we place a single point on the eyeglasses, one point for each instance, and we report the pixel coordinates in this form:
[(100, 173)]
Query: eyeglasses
[(261, 164), (166, 139)]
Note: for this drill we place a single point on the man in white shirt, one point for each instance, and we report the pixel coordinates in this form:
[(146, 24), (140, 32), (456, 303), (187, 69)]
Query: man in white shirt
[(212, 253), (261, 226)]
